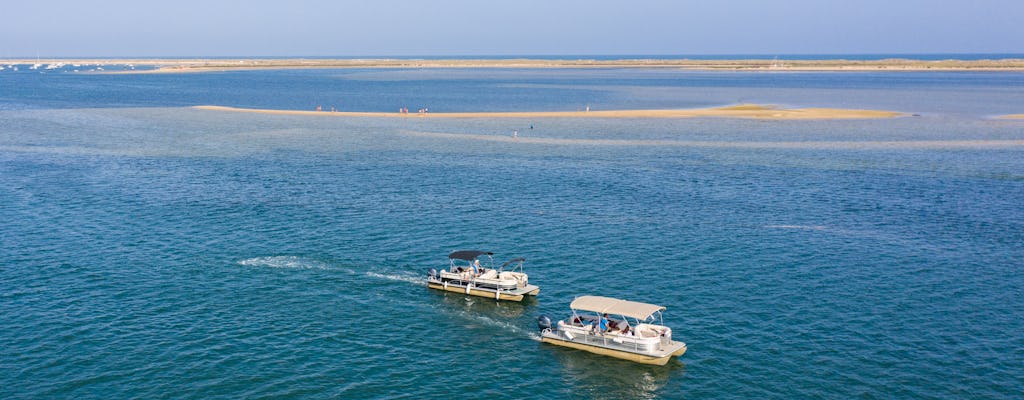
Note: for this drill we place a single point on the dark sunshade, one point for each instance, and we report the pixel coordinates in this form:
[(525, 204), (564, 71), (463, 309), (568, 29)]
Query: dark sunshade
[(468, 255), (512, 261)]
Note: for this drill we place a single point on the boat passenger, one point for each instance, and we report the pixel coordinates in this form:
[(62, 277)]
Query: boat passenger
[(477, 269), (603, 323)]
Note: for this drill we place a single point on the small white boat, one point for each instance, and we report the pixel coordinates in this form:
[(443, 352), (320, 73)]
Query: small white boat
[(601, 325), (465, 274)]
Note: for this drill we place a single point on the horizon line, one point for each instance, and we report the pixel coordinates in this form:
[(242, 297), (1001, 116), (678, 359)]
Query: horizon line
[(522, 55)]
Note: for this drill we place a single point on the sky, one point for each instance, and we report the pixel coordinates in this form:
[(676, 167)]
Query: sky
[(323, 28)]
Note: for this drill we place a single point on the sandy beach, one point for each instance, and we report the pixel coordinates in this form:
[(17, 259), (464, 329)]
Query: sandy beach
[(748, 111), (211, 65), (1012, 116)]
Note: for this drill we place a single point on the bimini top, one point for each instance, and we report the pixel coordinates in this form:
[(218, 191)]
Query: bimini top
[(468, 255), (512, 261), (601, 305)]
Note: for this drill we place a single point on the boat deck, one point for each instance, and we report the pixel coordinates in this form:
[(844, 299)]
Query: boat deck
[(516, 294), (607, 345), (610, 342)]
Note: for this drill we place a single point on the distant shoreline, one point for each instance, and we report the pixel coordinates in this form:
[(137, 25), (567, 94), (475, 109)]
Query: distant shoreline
[(746, 111), (238, 64)]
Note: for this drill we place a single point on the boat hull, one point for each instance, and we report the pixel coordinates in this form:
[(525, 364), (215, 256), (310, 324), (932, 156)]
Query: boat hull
[(506, 295), (620, 354), (659, 358)]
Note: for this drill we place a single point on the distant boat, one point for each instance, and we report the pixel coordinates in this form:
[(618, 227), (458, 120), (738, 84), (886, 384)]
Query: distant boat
[(466, 275), (35, 66)]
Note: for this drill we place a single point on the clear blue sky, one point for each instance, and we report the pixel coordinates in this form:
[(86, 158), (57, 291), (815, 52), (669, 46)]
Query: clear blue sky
[(61, 28)]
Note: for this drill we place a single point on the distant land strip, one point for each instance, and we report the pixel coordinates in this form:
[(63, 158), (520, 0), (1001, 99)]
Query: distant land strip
[(748, 111), (209, 65), (1012, 116)]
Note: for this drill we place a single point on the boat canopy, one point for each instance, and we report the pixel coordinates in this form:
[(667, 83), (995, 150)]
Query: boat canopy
[(602, 305), (468, 255), (512, 261)]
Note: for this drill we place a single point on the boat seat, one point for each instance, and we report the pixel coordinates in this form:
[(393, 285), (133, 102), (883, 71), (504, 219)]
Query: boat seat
[(646, 330), (489, 274)]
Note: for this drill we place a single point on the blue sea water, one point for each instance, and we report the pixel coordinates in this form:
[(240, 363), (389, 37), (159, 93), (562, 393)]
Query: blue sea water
[(150, 249)]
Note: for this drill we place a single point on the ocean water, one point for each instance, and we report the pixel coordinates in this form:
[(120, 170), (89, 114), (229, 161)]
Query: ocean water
[(154, 250)]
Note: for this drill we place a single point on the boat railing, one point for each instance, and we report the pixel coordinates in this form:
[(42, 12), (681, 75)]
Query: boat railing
[(608, 339)]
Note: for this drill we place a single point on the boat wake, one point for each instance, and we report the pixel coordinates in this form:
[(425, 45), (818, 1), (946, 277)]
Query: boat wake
[(296, 262), (289, 262), (487, 321), (415, 280)]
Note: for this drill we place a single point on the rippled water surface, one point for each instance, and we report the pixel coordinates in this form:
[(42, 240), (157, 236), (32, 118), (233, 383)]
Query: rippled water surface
[(154, 250)]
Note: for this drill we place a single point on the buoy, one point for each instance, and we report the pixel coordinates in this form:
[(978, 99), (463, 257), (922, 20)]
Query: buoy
[(467, 288), (445, 285), (497, 295)]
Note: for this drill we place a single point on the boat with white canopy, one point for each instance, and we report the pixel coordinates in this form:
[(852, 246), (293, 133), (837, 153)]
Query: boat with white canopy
[(467, 274), (623, 329)]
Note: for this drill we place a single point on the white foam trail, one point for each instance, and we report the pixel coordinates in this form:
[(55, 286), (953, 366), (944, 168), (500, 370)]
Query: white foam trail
[(416, 280), (484, 320), (291, 262)]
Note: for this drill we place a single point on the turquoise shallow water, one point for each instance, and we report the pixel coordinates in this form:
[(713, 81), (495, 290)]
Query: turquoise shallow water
[(153, 250)]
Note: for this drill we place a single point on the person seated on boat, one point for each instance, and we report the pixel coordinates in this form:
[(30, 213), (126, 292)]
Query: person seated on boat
[(477, 269), (603, 323), (625, 330)]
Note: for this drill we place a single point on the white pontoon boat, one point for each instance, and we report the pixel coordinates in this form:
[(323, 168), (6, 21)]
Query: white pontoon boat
[(601, 325), (467, 275)]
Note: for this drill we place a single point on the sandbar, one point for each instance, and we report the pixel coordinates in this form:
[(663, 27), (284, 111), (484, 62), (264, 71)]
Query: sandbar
[(1012, 116), (747, 111)]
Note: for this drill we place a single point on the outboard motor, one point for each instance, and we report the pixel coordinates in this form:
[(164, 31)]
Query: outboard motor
[(432, 272), (544, 323)]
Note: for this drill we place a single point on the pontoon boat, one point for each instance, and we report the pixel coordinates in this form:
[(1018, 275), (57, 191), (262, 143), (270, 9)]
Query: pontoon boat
[(602, 325), (467, 275)]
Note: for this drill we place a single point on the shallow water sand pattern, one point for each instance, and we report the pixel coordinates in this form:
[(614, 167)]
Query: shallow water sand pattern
[(824, 144)]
